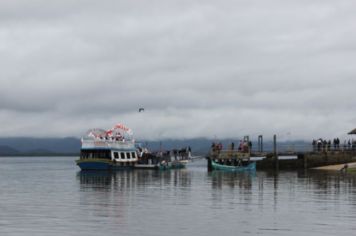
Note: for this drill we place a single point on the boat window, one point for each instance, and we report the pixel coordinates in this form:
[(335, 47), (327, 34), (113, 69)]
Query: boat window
[(83, 155), (133, 154), (116, 155), (122, 155), (96, 154), (102, 155), (128, 155)]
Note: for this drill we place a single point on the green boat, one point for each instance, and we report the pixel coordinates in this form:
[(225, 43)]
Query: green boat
[(251, 166), (172, 165), (230, 159)]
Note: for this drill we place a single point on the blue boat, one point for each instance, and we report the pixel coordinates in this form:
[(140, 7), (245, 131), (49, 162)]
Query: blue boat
[(112, 149), (115, 149), (158, 162)]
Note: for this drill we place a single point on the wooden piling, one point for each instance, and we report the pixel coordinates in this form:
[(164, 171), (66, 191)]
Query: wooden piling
[(275, 154), (260, 143), (210, 167)]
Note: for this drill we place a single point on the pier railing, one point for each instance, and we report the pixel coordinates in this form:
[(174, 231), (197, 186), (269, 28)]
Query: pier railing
[(91, 143), (295, 149)]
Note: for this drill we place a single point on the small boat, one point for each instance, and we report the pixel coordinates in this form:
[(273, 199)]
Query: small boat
[(158, 162), (251, 166), (230, 159), (115, 149), (177, 164), (112, 149)]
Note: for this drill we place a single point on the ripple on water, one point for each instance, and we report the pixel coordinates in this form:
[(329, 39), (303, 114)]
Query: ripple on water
[(50, 196)]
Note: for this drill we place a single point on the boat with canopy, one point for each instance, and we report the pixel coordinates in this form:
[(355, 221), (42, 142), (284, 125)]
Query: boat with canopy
[(108, 149)]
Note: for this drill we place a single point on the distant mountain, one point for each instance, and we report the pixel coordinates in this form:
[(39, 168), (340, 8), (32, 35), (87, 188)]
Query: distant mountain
[(50, 145), (62, 146), (6, 150), (201, 146)]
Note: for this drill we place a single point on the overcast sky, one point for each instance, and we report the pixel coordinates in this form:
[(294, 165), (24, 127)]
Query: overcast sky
[(204, 68)]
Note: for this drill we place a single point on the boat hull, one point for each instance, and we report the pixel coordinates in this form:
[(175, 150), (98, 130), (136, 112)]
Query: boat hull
[(178, 164), (162, 166), (100, 165), (250, 167), (172, 165), (146, 166), (94, 165)]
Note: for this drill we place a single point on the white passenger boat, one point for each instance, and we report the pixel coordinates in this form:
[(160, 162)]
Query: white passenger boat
[(108, 149)]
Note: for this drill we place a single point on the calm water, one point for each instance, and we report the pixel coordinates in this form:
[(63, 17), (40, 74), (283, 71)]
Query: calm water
[(50, 196)]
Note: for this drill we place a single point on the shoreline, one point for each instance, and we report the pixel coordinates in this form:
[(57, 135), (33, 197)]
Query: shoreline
[(338, 167)]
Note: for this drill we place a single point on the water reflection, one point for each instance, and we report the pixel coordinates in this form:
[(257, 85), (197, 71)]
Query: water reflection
[(288, 200), (119, 194), (48, 197), (275, 189), (120, 180), (331, 183), (95, 179), (231, 179)]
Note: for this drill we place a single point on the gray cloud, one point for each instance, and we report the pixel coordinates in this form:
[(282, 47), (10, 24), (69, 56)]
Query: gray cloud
[(200, 68)]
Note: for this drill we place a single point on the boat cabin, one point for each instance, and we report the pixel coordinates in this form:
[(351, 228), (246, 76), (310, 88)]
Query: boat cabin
[(120, 157)]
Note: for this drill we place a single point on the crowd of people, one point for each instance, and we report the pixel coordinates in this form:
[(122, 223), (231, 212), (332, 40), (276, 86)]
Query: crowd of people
[(327, 145), (178, 154), (244, 146)]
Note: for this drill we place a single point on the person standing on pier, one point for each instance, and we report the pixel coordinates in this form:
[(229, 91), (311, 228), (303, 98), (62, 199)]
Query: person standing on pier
[(319, 144), (334, 142), (314, 145), (241, 145), (175, 153), (220, 146), (337, 143)]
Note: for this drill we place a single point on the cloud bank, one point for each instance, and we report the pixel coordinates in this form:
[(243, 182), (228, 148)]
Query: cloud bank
[(199, 68)]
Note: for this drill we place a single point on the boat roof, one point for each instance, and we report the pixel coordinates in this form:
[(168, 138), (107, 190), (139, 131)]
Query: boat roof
[(119, 132)]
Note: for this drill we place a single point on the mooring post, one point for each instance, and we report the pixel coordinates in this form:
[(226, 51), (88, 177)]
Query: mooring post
[(275, 154), (260, 143), (305, 157), (210, 167), (247, 139)]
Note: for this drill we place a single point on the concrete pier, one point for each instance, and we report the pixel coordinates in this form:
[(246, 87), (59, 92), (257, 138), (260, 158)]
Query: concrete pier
[(308, 160), (320, 156)]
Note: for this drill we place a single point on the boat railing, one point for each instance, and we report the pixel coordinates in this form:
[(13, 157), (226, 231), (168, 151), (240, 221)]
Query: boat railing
[(97, 143), (230, 154)]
